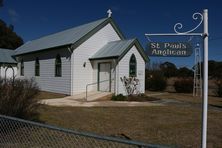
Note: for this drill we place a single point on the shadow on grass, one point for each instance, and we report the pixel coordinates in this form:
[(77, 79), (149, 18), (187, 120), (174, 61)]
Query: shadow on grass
[(217, 106)]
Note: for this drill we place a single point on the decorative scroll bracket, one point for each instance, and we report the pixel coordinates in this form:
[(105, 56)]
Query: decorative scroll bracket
[(178, 26), (195, 16)]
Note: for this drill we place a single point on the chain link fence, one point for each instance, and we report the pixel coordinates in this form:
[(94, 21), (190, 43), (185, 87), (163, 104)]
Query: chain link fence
[(16, 132)]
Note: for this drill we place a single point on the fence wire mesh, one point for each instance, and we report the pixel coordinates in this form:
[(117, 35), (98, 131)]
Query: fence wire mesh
[(16, 132)]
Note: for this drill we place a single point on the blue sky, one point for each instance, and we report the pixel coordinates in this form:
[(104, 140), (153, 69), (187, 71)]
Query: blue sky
[(35, 18)]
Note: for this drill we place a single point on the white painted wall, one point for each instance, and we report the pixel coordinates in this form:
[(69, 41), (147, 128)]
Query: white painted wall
[(47, 80), (84, 75), (123, 70), (9, 71)]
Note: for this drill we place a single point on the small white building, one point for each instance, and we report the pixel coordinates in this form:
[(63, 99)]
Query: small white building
[(95, 54), (8, 65)]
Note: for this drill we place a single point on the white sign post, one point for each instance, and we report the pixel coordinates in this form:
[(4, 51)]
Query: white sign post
[(205, 95), (178, 26)]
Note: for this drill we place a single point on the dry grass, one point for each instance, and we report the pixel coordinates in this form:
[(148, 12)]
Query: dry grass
[(169, 125), (187, 98), (49, 95)]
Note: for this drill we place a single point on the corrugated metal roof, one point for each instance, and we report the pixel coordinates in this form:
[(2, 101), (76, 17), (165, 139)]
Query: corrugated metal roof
[(62, 38), (113, 49), (6, 56)]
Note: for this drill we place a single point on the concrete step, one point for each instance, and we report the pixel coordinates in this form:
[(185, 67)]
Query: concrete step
[(99, 96)]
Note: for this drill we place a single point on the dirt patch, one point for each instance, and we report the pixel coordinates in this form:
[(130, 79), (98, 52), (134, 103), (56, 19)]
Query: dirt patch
[(49, 95)]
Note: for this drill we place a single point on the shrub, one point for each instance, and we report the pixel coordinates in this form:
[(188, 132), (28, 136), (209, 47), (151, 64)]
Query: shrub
[(155, 81), (183, 85), (119, 97), (184, 72), (219, 88), (17, 98)]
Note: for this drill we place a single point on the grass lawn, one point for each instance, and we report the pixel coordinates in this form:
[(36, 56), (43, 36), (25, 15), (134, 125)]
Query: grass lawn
[(172, 124)]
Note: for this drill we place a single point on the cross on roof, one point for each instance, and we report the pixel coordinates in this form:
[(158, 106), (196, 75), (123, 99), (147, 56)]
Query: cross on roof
[(109, 13)]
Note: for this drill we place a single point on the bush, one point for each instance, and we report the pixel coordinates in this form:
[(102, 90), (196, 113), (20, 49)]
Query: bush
[(219, 88), (155, 81), (183, 85), (17, 98), (184, 72), (119, 97)]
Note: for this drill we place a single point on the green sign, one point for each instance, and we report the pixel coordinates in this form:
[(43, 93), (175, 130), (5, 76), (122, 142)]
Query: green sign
[(170, 49)]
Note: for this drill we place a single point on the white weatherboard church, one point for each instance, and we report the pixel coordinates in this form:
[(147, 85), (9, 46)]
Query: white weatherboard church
[(96, 52)]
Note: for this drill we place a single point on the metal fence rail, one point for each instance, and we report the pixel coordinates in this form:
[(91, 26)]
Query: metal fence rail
[(96, 83), (16, 132)]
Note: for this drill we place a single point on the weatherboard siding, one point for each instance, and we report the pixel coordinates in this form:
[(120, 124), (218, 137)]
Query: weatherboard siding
[(84, 75), (123, 70), (47, 80)]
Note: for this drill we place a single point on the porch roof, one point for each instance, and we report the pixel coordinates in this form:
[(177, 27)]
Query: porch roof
[(117, 49), (6, 56)]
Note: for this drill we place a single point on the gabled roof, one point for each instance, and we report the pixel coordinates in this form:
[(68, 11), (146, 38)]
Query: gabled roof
[(117, 49), (75, 36), (6, 56)]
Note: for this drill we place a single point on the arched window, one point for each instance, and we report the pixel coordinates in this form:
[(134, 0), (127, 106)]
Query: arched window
[(58, 66), (22, 68), (132, 66), (37, 67)]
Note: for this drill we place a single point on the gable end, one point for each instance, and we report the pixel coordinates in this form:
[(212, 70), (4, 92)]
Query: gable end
[(139, 48), (95, 30)]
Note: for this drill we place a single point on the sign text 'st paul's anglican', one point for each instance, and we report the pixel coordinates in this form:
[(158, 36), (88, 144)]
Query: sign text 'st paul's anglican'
[(173, 49)]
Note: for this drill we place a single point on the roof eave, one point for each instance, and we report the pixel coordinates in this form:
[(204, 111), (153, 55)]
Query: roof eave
[(16, 55), (103, 58), (8, 63)]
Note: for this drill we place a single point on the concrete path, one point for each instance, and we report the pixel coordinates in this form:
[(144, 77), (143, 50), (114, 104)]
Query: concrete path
[(80, 101), (91, 96), (75, 103)]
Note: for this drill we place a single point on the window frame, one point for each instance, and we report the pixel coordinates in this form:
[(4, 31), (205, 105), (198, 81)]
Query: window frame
[(37, 67), (58, 66), (22, 68), (133, 64)]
